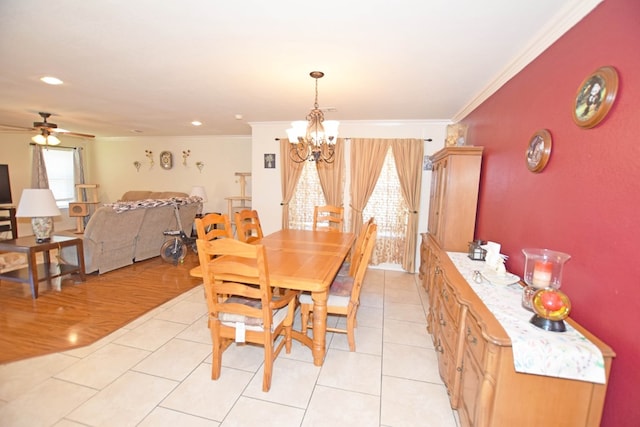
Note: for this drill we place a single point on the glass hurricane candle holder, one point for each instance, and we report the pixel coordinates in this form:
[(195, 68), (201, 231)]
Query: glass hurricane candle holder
[(543, 272)]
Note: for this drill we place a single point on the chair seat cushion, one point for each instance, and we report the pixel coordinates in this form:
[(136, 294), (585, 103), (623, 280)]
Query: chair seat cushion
[(332, 301), (252, 323), (344, 269), (339, 292), (341, 286)]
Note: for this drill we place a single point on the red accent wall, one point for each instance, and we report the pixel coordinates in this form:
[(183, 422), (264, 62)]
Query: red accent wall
[(587, 201)]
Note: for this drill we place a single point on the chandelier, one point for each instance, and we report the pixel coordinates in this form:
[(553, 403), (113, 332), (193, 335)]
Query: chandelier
[(46, 138), (314, 139)]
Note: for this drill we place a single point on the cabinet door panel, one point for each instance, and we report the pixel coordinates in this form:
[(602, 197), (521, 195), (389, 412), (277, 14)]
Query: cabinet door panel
[(448, 329), (470, 381), (474, 341), (451, 304)]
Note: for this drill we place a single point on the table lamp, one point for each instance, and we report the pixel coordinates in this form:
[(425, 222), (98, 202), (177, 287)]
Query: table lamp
[(198, 191), (39, 205)]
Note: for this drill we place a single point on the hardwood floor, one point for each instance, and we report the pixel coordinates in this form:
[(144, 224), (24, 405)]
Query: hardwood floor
[(72, 314)]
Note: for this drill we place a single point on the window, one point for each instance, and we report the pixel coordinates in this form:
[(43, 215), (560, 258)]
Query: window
[(307, 195), (386, 205), (59, 162), (391, 215)]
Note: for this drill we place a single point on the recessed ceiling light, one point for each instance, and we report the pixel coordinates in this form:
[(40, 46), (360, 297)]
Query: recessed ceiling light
[(196, 123), (51, 80), (238, 116)]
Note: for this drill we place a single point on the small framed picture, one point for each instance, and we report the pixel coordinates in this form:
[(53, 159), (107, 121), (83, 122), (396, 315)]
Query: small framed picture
[(538, 151), (166, 160), (427, 164), (270, 161), (595, 97)]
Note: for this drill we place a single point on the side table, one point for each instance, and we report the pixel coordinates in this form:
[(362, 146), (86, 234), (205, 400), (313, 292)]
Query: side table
[(34, 273)]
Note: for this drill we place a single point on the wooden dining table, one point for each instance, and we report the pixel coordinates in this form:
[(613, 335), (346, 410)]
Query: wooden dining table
[(306, 260)]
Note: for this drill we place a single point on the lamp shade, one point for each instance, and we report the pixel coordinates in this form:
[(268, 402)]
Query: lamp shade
[(37, 202), (199, 191), (45, 139)]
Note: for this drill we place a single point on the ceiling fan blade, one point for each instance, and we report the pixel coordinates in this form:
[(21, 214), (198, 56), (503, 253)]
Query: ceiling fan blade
[(75, 134), (15, 128), (44, 126)]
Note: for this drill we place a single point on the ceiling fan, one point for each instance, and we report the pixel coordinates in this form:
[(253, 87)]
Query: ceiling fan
[(46, 131)]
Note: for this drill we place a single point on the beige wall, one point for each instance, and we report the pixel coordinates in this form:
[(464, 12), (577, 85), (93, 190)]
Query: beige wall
[(112, 161), (109, 163)]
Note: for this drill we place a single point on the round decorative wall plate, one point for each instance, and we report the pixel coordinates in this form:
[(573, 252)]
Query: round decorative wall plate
[(166, 160), (595, 97), (538, 151)]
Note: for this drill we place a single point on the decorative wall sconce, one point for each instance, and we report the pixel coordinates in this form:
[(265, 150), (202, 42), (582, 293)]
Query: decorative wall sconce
[(137, 165), (200, 165), (149, 155), (185, 154)]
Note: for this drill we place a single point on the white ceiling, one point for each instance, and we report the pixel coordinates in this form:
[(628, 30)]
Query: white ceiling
[(156, 65)]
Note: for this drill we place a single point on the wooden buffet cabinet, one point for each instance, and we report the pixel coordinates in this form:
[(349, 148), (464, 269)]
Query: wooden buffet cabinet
[(454, 196), (475, 356)]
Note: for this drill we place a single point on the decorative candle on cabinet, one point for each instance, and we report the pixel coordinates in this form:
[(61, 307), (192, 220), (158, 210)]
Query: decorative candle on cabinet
[(542, 274)]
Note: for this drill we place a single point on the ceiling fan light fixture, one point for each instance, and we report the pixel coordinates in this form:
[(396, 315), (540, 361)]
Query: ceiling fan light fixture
[(39, 139), (45, 138), (53, 140)]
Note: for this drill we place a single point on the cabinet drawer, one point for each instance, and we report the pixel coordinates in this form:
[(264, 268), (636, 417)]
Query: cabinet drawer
[(474, 341), (448, 328), (449, 302)]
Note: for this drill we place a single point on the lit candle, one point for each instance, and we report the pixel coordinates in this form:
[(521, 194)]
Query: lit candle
[(542, 274)]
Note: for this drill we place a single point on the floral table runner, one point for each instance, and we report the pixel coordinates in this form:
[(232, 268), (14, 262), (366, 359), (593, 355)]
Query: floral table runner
[(535, 351)]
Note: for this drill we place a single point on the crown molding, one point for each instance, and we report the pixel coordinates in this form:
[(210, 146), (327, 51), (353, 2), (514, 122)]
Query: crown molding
[(569, 16)]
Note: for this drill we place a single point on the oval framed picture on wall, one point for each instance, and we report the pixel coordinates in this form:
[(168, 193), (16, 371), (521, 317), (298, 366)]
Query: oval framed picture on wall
[(595, 97), (538, 151)]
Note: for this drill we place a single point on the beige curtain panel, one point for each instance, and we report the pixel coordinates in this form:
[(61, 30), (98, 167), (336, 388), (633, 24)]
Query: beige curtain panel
[(367, 157), (332, 176), (290, 173), (408, 154)]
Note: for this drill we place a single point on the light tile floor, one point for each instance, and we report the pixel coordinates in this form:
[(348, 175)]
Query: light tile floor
[(156, 372)]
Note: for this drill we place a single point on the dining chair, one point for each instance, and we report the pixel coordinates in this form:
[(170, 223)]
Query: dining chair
[(348, 267), (328, 218), (248, 226), (240, 302), (344, 294), (213, 226)]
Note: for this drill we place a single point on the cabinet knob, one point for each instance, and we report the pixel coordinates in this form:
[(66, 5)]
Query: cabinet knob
[(442, 321), (470, 338)]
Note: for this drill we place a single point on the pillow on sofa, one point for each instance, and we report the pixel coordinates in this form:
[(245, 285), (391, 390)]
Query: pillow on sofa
[(166, 194), (130, 196)]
